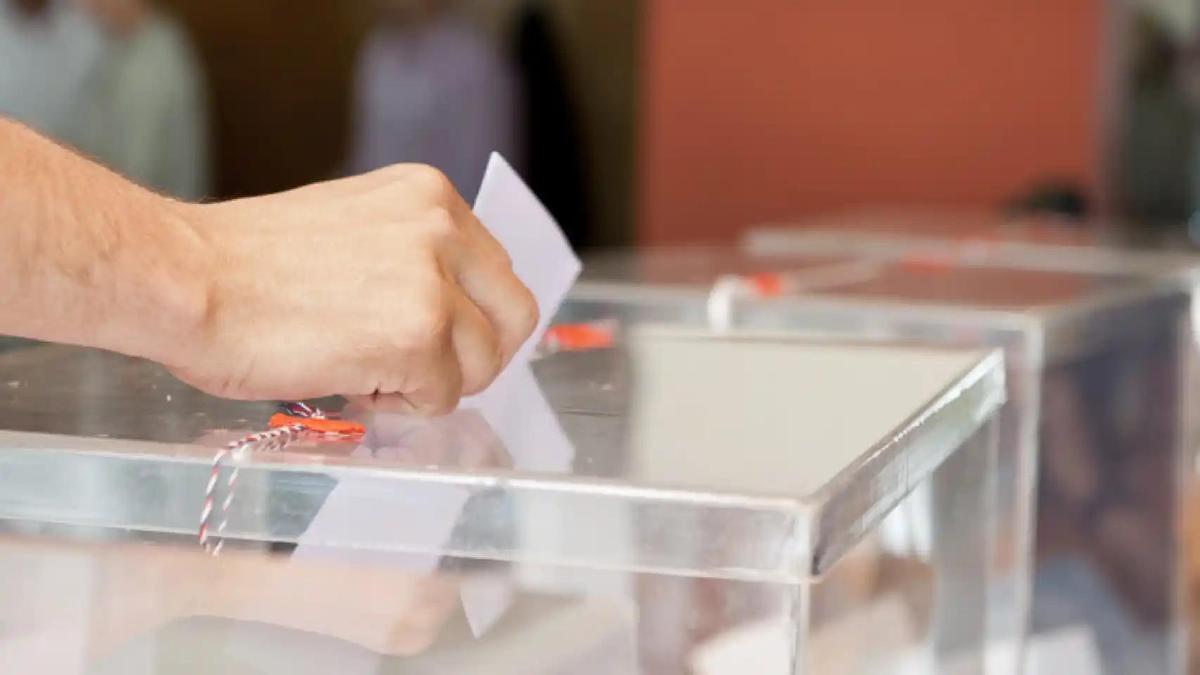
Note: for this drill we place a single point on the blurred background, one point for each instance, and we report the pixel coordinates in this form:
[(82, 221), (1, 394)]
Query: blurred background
[(693, 121), (656, 121)]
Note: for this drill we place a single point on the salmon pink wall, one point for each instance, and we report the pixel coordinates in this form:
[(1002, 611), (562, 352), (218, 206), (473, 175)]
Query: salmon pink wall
[(764, 109)]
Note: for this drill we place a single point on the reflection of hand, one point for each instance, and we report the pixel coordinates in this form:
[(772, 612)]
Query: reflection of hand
[(79, 603), (134, 589), (384, 609), (462, 439)]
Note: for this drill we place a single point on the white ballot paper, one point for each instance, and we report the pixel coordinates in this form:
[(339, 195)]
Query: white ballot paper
[(514, 407), (541, 256)]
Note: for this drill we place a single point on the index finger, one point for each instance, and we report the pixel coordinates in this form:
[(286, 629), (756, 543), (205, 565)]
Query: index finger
[(485, 274)]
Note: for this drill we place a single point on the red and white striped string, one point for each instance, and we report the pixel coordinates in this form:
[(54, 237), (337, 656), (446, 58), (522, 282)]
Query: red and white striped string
[(236, 451)]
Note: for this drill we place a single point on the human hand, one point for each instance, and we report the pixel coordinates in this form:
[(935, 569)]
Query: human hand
[(383, 286)]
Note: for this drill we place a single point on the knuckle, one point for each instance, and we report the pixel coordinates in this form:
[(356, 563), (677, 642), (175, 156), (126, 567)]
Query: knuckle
[(494, 360), (394, 171), (492, 254), (482, 363), (526, 313), (439, 397), (490, 365), (431, 180), (439, 223), (424, 326), (499, 257)]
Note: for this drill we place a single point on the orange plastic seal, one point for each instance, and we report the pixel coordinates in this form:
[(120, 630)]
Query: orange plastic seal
[(766, 284), (578, 336), (319, 424)]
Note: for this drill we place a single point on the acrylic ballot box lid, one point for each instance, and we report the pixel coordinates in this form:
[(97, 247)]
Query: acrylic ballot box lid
[(686, 268), (982, 239), (749, 457), (897, 297)]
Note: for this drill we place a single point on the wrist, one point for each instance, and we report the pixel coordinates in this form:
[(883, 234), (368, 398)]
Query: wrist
[(163, 282)]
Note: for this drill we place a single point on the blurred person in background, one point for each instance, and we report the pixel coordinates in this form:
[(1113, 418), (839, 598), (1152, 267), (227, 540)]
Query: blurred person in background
[(49, 49), (1156, 183), (144, 112), (1190, 77), (554, 159), (430, 89)]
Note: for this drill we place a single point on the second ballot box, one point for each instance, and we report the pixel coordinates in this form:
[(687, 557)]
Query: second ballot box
[(1095, 437)]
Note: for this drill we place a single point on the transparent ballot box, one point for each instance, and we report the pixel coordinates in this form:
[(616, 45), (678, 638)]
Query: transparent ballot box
[(674, 503), (1092, 439), (1033, 243)]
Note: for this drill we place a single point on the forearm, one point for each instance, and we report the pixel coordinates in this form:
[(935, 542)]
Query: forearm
[(89, 258)]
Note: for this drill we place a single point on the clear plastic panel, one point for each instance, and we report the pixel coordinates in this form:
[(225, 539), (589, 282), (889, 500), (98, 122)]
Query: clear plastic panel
[(984, 240), (1010, 575), (104, 601)]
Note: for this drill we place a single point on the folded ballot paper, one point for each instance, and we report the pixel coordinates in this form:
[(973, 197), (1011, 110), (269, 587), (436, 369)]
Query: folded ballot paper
[(514, 407)]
